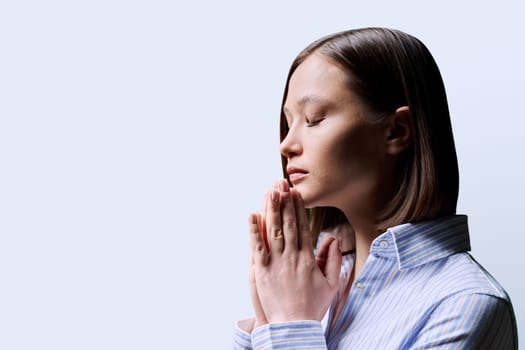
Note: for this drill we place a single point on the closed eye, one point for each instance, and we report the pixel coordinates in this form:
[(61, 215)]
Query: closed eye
[(314, 122)]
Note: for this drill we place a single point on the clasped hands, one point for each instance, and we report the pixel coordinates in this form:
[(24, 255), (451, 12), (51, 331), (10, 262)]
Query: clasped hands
[(287, 282)]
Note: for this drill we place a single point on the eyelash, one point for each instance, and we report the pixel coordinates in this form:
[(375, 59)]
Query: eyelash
[(309, 123), (313, 123)]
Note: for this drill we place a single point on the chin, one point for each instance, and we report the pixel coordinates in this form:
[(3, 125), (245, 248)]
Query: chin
[(310, 198)]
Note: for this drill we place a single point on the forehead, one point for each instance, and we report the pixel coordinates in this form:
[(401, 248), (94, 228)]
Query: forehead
[(317, 79)]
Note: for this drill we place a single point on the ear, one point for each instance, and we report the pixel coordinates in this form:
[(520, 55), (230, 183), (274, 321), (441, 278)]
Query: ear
[(399, 131)]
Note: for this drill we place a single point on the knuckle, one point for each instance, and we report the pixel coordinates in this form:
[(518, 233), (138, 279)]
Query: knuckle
[(254, 229), (304, 228), (276, 232), (290, 225), (309, 262)]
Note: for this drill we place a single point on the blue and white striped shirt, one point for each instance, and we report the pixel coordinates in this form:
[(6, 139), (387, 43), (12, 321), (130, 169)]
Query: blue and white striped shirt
[(419, 289)]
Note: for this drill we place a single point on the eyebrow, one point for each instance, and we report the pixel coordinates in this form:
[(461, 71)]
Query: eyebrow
[(309, 99)]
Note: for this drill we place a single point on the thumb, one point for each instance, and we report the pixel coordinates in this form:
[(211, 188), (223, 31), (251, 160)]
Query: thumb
[(322, 253), (334, 259)]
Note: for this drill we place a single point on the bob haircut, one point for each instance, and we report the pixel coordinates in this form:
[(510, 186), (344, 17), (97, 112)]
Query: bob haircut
[(389, 69)]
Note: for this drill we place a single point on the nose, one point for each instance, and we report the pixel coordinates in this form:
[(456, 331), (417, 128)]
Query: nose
[(291, 145)]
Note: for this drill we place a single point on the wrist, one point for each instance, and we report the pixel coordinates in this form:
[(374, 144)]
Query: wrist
[(259, 323), (247, 325)]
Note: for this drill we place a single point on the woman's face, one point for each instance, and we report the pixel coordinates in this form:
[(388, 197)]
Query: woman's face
[(335, 156)]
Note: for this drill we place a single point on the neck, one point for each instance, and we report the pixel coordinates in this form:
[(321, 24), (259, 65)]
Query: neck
[(364, 234), (363, 241)]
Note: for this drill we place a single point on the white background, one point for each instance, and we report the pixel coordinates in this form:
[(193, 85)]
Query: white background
[(136, 136)]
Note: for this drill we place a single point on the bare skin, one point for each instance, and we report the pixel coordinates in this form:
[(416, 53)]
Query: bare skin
[(286, 276), (336, 158)]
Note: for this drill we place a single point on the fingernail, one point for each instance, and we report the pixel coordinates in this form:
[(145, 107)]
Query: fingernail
[(284, 186)]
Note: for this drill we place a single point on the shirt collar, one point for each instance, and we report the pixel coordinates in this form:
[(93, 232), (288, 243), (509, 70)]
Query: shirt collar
[(420, 243)]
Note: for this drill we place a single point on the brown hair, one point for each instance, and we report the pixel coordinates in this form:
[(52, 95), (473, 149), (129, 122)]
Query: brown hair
[(389, 69)]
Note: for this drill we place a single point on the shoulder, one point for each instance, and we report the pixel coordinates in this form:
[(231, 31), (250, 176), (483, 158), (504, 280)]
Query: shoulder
[(468, 305), (462, 274), (470, 319)]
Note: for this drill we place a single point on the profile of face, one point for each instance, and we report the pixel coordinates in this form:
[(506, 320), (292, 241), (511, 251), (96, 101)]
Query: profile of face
[(336, 156)]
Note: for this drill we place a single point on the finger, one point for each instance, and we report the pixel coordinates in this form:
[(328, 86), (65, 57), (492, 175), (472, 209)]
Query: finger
[(262, 220), (333, 264), (303, 225), (346, 233), (262, 230), (322, 253), (283, 186), (257, 246), (273, 224), (289, 222)]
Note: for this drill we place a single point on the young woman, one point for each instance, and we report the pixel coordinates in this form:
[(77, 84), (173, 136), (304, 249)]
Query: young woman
[(367, 146)]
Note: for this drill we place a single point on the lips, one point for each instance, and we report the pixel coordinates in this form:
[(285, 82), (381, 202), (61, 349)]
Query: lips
[(296, 175)]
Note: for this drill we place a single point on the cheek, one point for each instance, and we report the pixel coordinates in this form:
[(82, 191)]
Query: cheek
[(358, 154)]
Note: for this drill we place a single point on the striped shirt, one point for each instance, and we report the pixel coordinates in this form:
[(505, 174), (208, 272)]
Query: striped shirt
[(419, 289)]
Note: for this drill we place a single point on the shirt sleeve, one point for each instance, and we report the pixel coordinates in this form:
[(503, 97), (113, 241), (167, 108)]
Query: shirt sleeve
[(469, 321), (242, 339), (289, 335)]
